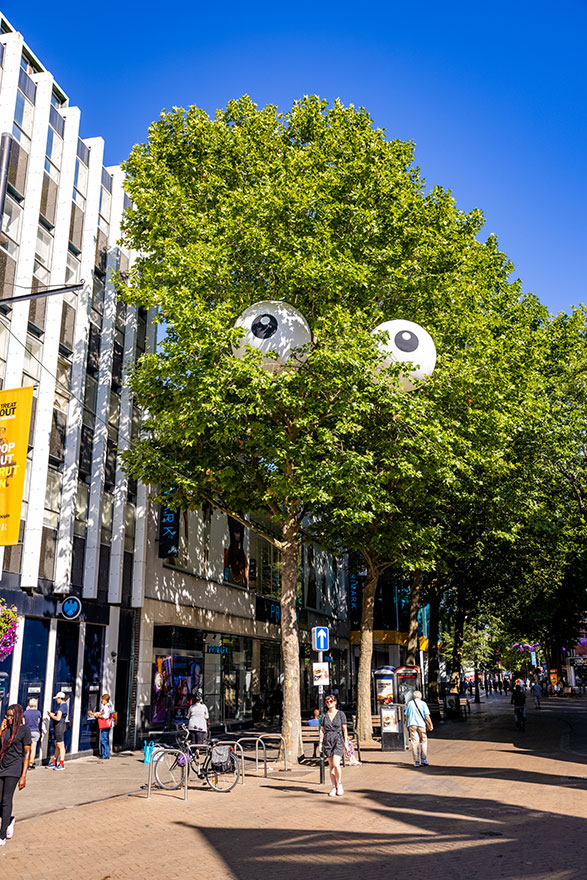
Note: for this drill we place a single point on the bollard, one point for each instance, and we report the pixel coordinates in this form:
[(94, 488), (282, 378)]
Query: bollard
[(321, 769)]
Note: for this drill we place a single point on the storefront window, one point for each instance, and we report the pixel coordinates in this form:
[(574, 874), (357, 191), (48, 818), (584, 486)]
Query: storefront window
[(177, 673), (34, 660)]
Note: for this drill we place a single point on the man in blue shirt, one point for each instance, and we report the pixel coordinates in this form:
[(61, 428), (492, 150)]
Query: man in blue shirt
[(418, 721)]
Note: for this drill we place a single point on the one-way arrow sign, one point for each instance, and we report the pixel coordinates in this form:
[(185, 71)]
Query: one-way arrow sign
[(320, 638)]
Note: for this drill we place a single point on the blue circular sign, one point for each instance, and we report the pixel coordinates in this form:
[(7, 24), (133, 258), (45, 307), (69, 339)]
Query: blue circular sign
[(71, 608)]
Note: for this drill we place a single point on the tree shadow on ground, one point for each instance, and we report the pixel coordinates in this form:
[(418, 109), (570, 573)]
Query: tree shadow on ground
[(494, 723), (448, 838)]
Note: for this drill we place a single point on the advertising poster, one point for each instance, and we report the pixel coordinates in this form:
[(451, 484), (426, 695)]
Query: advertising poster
[(320, 673), (235, 559), (176, 679), (384, 690), (390, 719), (15, 419)]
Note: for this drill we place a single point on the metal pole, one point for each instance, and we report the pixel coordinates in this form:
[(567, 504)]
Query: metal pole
[(25, 297), (187, 771), (150, 778)]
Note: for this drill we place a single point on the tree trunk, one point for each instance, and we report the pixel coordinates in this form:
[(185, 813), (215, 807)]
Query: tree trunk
[(412, 644), (457, 651), (364, 723), (433, 664), (290, 644)]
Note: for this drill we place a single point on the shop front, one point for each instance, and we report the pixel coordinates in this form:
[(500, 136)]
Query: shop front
[(221, 668), (52, 655)]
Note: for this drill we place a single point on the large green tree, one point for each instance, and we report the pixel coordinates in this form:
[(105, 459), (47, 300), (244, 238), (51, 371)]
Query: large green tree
[(314, 207)]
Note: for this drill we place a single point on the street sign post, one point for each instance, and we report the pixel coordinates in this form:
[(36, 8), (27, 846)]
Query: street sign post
[(320, 638)]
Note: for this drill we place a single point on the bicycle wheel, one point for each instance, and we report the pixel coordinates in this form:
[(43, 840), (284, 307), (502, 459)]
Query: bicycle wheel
[(170, 767), (223, 780)]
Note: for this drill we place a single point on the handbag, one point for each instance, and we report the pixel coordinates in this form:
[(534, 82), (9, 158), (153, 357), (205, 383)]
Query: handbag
[(106, 723), (148, 752)]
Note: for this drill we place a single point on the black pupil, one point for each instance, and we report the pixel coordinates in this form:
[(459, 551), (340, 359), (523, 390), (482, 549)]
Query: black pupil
[(407, 341), (264, 326)]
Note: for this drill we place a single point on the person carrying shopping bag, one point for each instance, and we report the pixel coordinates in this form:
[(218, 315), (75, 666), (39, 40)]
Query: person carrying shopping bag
[(106, 720)]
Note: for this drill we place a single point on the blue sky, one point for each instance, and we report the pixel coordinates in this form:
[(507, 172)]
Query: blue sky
[(493, 95)]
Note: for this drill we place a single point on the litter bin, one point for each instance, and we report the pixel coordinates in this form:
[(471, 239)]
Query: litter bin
[(393, 729)]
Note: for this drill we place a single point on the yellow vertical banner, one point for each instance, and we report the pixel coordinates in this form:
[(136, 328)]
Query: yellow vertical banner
[(15, 420)]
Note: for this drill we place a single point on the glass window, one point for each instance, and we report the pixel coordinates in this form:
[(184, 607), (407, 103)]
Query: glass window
[(72, 269), (105, 203), (114, 410), (91, 393), (23, 114), (81, 501), (79, 200), (53, 490), (106, 518), (12, 219), (54, 147), (129, 527), (32, 358), (80, 179), (44, 246)]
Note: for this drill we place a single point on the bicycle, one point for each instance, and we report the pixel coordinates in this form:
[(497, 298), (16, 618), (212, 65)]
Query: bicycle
[(220, 768)]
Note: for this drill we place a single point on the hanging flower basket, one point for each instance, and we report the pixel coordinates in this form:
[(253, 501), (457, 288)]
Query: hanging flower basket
[(8, 628)]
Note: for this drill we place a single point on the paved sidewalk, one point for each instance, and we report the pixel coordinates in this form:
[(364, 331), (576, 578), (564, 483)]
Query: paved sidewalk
[(494, 803)]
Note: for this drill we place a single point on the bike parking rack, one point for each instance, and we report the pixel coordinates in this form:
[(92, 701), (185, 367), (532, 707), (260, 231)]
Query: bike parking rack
[(256, 740), (263, 736), (152, 762)]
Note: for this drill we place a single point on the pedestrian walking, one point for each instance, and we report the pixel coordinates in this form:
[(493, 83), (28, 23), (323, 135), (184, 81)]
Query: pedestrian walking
[(32, 719), (105, 716), (518, 701), (419, 723), (15, 747), (537, 693), (198, 721), (333, 740), (59, 719)]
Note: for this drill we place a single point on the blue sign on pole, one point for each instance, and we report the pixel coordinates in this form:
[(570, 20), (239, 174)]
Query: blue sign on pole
[(320, 638), (71, 608)]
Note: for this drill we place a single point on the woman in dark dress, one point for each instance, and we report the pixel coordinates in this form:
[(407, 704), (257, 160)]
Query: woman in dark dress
[(15, 748), (333, 741)]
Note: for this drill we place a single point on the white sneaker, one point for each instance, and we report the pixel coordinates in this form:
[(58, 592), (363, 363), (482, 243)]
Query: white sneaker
[(2, 841), (332, 793), (10, 830), (340, 791)]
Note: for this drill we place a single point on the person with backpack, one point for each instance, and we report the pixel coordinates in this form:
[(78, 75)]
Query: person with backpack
[(419, 723), (59, 719), (106, 720), (15, 748), (518, 701)]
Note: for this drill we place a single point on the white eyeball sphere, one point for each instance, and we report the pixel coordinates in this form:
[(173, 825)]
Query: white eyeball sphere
[(274, 326), (408, 342)]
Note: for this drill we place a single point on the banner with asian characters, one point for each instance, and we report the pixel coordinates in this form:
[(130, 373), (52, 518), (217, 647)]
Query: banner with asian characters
[(15, 420)]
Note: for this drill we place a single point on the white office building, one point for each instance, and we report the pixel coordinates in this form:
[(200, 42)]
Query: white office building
[(61, 219)]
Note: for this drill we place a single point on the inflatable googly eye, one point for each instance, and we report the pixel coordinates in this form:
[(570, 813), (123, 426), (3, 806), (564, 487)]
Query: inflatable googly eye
[(273, 326), (407, 341)]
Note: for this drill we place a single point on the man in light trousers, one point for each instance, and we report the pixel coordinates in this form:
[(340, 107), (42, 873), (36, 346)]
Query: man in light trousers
[(418, 721)]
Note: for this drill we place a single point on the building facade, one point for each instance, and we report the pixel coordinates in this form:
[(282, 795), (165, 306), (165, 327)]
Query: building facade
[(78, 533)]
